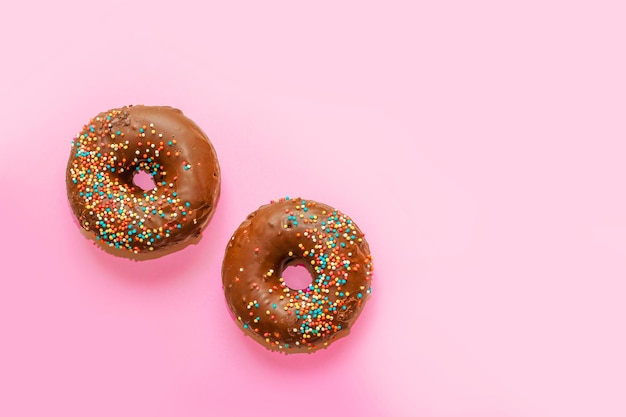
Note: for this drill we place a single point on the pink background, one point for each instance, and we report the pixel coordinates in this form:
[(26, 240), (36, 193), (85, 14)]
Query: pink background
[(480, 145)]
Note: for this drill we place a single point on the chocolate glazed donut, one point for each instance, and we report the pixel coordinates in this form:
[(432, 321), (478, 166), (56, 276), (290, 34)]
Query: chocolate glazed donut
[(291, 232), (124, 218)]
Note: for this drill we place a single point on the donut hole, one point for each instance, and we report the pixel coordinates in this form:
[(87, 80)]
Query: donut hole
[(144, 180), (297, 277)]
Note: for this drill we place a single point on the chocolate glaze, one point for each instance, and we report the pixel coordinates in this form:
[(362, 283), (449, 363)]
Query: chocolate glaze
[(162, 141), (287, 232)]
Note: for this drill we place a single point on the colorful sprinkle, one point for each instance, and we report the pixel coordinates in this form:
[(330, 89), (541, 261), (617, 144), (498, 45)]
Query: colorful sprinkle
[(120, 213)]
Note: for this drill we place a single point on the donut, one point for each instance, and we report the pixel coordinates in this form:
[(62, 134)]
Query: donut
[(124, 218), (290, 232)]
